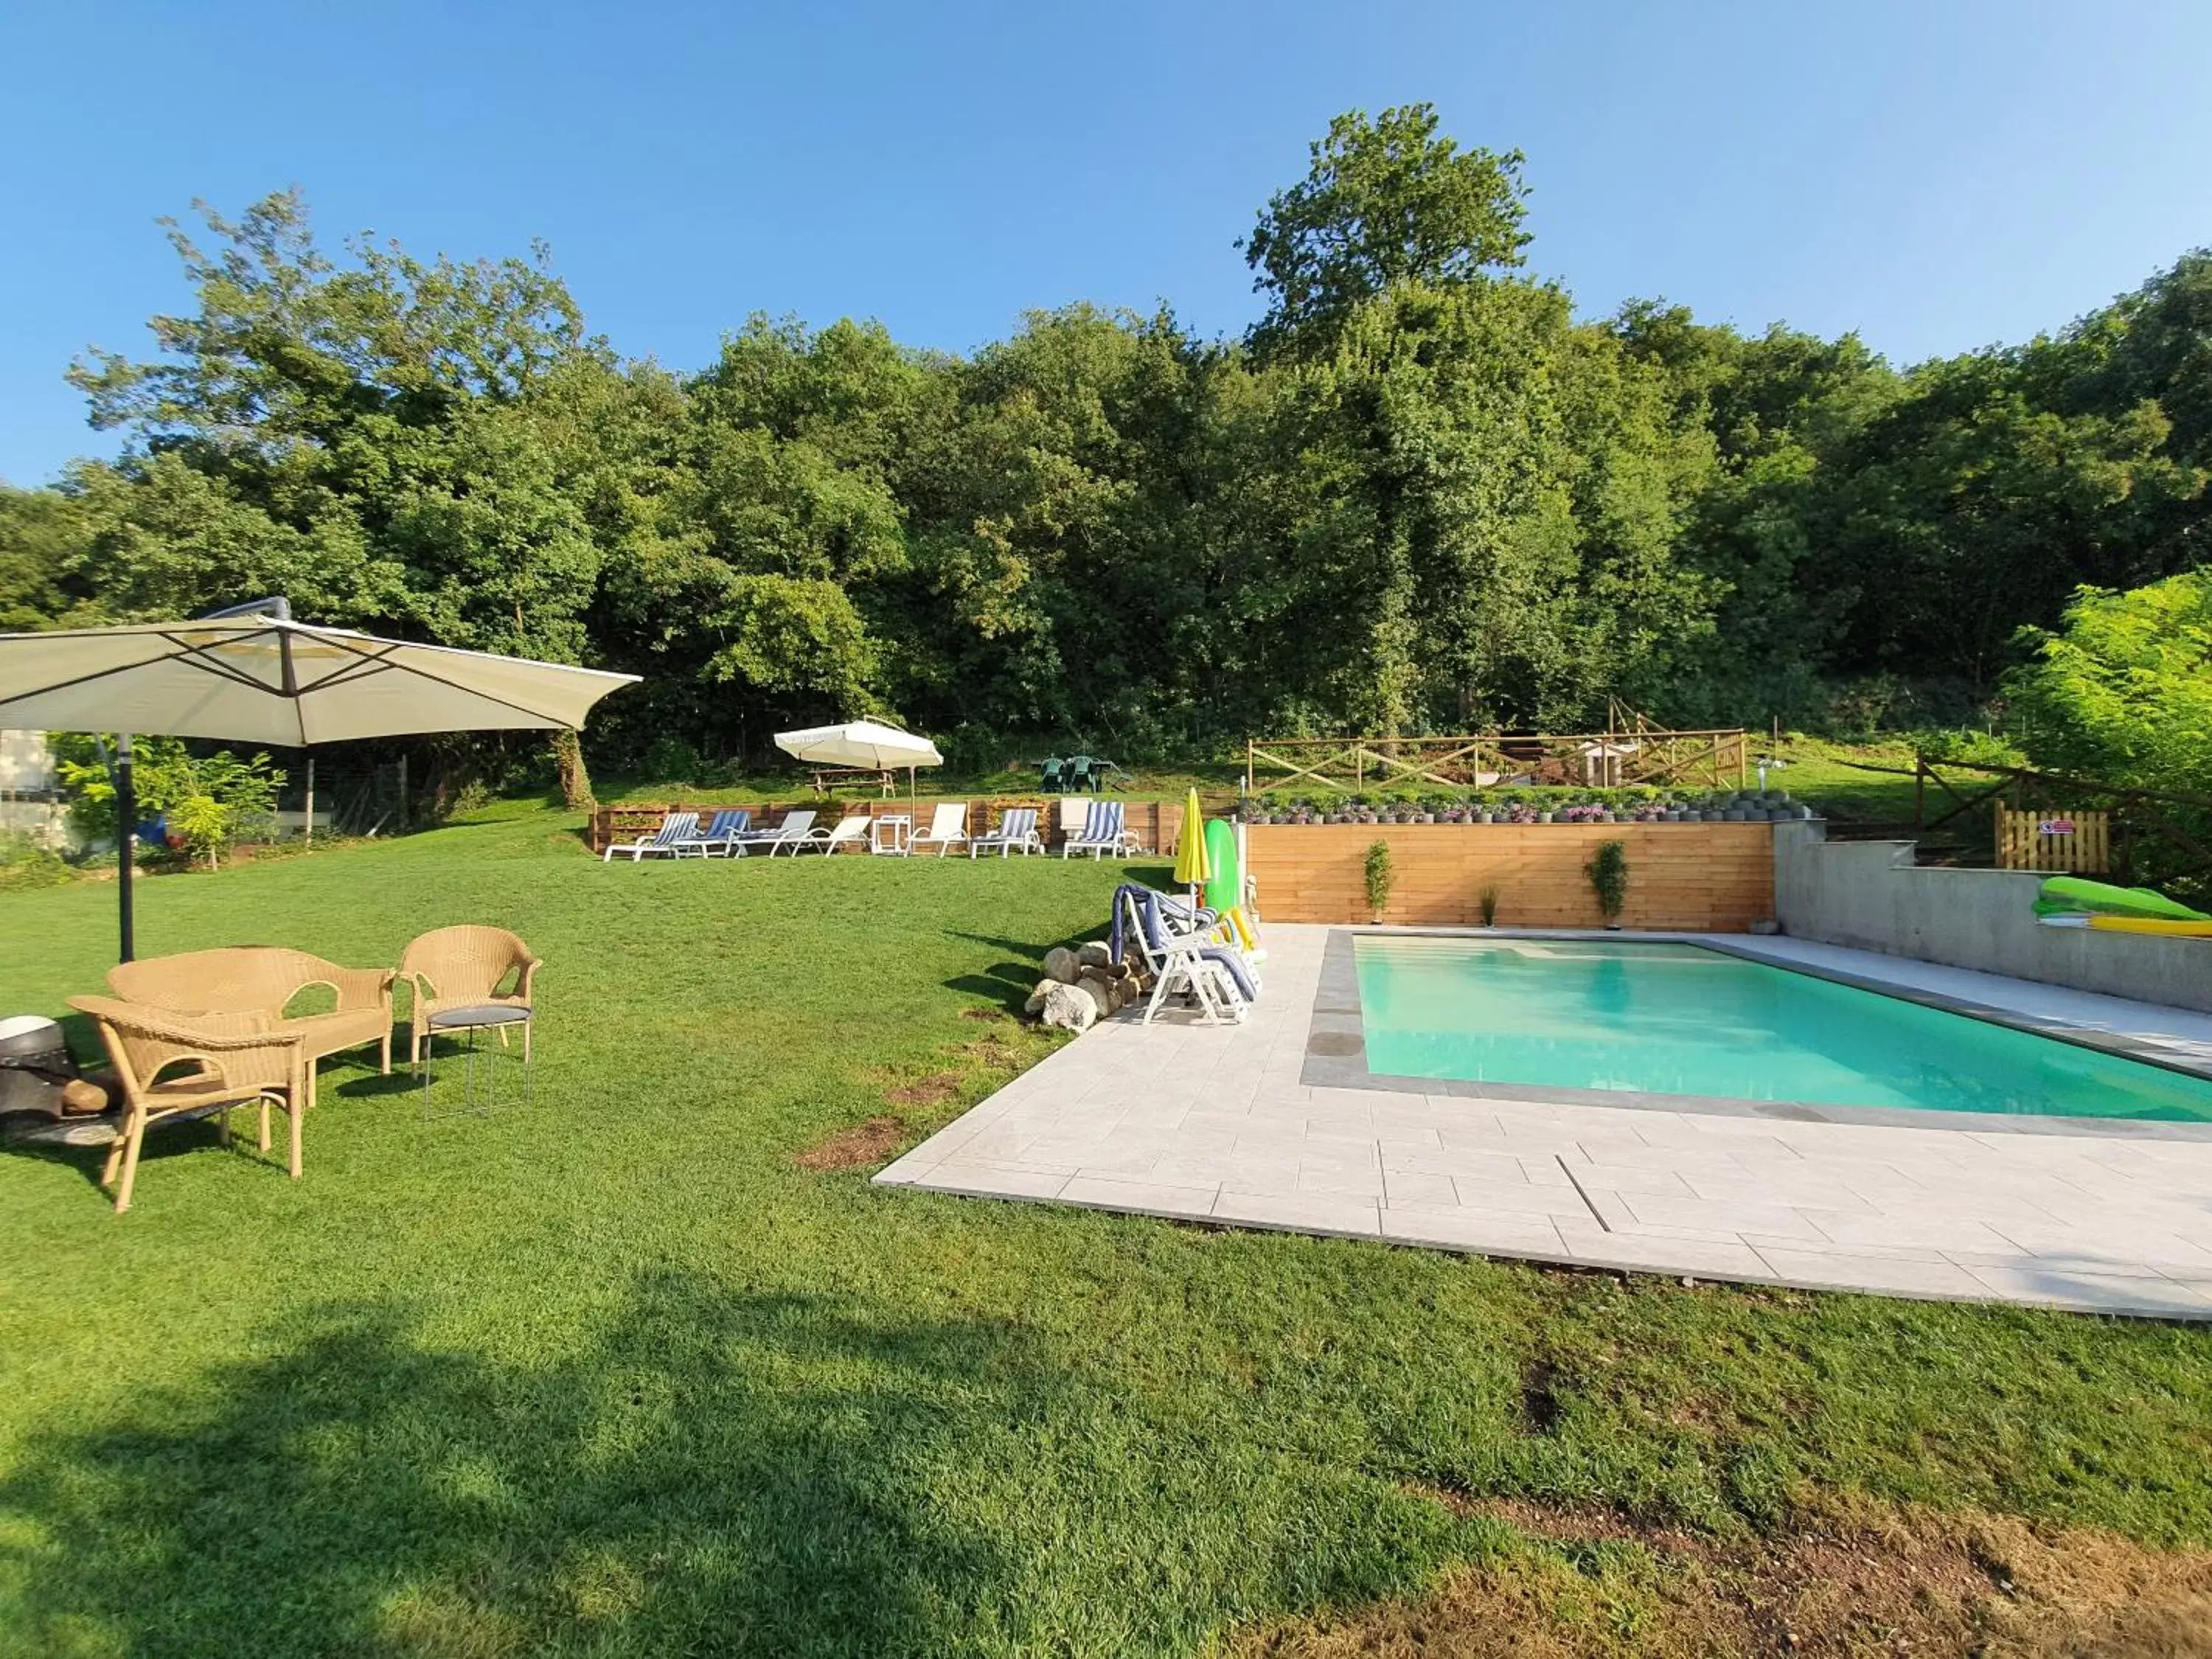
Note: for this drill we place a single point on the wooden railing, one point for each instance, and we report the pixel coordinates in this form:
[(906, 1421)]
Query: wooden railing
[(1641, 754)]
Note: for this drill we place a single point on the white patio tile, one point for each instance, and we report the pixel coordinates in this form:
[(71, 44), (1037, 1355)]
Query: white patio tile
[(1826, 1270), (1301, 1213), (1366, 1183), (1145, 1197), (2110, 1292), (1409, 1187), (1458, 1230), (990, 1181)]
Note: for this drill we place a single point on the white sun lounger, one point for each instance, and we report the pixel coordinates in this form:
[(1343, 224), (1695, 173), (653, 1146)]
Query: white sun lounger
[(948, 824), (667, 842), (1106, 832), (1017, 830), (795, 828), (852, 830)]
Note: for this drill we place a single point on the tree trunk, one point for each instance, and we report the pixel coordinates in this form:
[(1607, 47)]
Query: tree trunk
[(575, 781)]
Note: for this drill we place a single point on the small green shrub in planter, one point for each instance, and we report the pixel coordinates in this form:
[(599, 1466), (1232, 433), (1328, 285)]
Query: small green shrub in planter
[(1607, 871), (1379, 877), (1489, 907)]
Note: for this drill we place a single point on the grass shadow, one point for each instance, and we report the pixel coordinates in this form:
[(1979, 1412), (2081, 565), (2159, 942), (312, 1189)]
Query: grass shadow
[(355, 1489), (1008, 984)]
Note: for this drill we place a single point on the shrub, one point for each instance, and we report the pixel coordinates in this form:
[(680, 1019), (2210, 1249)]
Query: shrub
[(1379, 877), (25, 864), (1608, 870)]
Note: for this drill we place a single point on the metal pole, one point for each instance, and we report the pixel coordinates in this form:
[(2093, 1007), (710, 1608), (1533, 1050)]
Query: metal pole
[(311, 800), (126, 838)]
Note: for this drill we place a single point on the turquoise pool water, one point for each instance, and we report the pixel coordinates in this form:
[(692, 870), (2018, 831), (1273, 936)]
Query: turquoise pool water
[(1675, 1019)]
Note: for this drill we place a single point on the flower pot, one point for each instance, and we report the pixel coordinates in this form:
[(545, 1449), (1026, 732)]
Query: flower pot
[(1544, 818)]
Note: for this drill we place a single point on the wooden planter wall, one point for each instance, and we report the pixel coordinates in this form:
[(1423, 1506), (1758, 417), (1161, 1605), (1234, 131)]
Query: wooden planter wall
[(1702, 878)]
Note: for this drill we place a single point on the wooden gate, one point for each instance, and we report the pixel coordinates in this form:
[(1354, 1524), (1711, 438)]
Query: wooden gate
[(2070, 843)]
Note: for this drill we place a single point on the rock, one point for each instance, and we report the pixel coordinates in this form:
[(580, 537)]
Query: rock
[(1098, 991), (1059, 964), (81, 1096), (1068, 1008), (1094, 954), (1036, 1004)]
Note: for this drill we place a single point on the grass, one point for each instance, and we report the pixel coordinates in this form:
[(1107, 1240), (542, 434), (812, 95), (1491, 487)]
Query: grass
[(614, 1376)]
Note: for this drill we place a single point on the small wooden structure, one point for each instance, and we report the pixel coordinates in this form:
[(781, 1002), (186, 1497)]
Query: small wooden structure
[(2066, 843)]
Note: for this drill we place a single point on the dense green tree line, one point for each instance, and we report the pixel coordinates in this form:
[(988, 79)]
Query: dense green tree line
[(1420, 496)]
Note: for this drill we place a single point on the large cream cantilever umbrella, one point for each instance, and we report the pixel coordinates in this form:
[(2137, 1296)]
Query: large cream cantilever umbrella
[(253, 675), (864, 743)]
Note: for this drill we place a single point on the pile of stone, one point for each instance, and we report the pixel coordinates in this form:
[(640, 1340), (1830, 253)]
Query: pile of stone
[(1082, 986)]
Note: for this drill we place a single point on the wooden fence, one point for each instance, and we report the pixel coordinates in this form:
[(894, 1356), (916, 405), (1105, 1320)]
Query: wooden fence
[(1703, 878), (1158, 823), (1714, 760), (2068, 843)]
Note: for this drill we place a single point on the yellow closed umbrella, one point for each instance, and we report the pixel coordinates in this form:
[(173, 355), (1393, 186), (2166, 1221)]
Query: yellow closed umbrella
[(1192, 867)]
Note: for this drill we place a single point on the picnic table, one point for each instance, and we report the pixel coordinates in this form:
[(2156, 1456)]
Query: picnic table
[(827, 778)]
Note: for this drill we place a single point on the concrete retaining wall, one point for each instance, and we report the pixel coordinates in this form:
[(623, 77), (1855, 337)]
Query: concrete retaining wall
[(1871, 895)]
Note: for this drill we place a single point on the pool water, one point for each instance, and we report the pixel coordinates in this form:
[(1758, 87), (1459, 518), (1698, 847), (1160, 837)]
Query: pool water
[(1678, 1019)]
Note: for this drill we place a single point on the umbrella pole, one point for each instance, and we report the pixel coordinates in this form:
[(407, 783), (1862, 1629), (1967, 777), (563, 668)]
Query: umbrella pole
[(126, 821), (913, 808)]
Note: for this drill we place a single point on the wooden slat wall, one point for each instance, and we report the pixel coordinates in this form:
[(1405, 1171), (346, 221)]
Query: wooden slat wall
[(2087, 852), (1707, 878)]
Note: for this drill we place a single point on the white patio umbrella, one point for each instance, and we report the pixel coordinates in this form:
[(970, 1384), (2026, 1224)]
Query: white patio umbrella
[(253, 675), (864, 743)]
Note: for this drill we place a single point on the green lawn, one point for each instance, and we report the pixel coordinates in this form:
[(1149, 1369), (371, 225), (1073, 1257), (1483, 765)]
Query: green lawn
[(611, 1375)]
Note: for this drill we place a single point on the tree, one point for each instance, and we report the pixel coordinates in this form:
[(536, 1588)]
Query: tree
[(2122, 691), (1383, 202)]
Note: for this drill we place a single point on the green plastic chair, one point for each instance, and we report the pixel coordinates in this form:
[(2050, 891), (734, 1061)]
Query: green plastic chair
[(1054, 778)]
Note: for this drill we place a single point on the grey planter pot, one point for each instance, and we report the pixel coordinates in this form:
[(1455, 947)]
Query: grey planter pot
[(1544, 818)]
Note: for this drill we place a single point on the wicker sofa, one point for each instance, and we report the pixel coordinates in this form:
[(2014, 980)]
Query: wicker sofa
[(265, 979)]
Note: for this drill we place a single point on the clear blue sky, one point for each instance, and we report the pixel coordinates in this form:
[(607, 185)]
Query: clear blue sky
[(1936, 174)]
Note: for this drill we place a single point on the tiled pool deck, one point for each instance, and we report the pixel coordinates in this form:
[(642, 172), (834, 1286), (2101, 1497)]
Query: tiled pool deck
[(1229, 1125)]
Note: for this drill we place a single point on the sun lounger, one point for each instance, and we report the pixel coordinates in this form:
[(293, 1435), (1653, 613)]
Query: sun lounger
[(948, 824), (1187, 961), (723, 835), (1017, 831), (852, 830), (795, 828), (667, 842), (1106, 831)]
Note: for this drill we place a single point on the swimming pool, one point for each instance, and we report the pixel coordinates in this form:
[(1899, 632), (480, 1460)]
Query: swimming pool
[(1680, 1019)]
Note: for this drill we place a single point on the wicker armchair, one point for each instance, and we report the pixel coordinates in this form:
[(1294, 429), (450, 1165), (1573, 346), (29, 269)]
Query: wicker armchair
[(464, 968), (232, 1058), (265, 979)]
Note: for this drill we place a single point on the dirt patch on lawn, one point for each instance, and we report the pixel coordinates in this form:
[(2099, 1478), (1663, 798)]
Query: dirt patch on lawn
[(862, 1146), (933, 1091), (1847, 1579)]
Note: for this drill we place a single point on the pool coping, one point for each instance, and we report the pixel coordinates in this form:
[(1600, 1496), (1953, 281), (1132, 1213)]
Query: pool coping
[(1336, 1048)]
